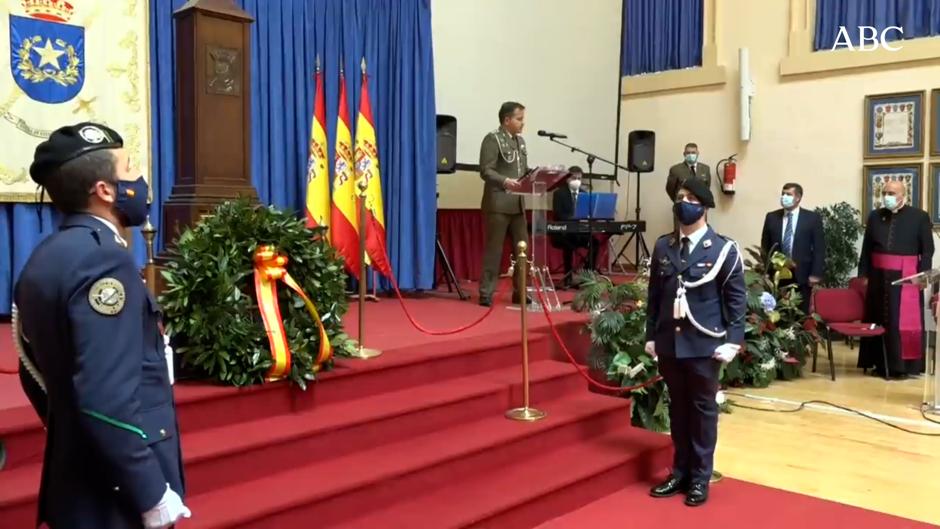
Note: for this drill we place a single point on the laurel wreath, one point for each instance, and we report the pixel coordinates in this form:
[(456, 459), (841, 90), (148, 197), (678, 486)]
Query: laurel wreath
[(30, 72)]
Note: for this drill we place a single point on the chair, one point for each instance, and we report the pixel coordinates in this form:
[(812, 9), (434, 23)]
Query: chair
[(842, 310), (859, 285)]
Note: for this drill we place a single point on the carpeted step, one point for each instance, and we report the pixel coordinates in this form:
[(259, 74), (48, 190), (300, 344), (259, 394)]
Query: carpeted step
[(335, 489), (732, 504), (227, 455), (532, 489), (202, 406)]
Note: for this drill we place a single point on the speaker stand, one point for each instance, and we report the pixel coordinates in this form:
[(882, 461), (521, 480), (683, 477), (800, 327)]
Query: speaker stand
[(637, 234), (448, 271)]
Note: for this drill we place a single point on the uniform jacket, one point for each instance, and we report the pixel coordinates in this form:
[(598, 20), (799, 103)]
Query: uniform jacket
[(719, 305), (501, 156), (681, 171), (92, 327)]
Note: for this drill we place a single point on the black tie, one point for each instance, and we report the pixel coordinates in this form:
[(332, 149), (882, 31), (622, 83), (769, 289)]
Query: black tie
[(684, 253)]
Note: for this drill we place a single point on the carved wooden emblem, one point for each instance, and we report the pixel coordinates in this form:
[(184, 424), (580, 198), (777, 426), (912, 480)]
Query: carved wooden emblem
[(223, 71)]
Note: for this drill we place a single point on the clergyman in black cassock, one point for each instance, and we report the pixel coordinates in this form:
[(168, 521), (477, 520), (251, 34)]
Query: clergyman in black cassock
[(898, 242)]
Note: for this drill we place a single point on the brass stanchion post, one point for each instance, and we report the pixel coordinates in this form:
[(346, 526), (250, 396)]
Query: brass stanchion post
[(525, 413), (150, 269), (362, 351)]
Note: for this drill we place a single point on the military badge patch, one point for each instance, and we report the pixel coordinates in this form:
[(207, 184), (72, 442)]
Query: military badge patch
[(48, 55), (107, 296)]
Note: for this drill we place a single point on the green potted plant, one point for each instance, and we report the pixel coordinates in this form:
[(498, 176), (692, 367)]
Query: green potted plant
[(617, 355), (842, 226)]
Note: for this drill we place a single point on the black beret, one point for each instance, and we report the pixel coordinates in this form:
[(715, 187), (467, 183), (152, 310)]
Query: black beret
[(68, 143), (701, 191)]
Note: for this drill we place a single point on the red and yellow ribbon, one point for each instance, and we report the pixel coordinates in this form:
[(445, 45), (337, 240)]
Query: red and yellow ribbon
[(271, 267)]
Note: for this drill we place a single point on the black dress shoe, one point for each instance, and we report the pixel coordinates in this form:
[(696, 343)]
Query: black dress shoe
[(696, 495), (486, 302), (670, 487)]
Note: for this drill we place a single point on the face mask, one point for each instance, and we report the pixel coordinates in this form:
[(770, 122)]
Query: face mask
[(691, 158), (786, 201), (687, 212), (574, 185), (131, 203), (891, 202)]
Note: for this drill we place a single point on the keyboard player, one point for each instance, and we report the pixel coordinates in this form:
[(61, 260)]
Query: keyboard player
[(564, 206)]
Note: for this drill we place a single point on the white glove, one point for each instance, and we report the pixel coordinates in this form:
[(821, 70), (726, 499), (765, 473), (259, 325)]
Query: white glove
[(166, 513), (726, 352), (650, 348), (168, 352)]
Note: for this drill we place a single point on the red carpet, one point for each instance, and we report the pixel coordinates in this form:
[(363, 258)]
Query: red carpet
[(732, 505), (415, 439), (415, 435)]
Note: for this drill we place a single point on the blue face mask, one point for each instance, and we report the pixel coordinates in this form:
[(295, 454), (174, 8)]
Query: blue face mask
[(786, 201), (890, 201), (132, 201), (688, 213), (691, 158)]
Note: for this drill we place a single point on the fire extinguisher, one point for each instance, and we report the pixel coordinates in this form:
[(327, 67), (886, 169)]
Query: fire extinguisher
[(728, 169)]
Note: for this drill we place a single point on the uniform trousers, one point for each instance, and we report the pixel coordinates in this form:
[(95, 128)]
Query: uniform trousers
[(693, 414), (497, 225)]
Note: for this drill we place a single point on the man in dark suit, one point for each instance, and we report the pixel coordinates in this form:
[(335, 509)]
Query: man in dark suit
[(689, 167), (695, 321), (95, 354), (564, 207), (798, 233)]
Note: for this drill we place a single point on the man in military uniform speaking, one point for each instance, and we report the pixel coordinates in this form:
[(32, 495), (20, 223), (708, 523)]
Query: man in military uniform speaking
[(90, 329), (695, 321), (502, 163)]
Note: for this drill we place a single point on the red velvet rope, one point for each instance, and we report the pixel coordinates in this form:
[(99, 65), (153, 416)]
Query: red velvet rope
[(581, 371), (444, 332)]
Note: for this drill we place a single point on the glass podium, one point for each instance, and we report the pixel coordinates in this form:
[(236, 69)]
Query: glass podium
[(928, 281), (536, 189)]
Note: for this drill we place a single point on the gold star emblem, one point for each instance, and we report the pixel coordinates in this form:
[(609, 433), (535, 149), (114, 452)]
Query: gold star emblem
[(83, 105), (49, 55)]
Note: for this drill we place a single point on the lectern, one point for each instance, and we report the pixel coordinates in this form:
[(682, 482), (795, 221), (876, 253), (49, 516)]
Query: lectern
[(928, 281), (213, 112), (535, 187)]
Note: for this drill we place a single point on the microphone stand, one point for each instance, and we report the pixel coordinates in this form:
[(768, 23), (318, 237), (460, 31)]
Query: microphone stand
[(590, 160)]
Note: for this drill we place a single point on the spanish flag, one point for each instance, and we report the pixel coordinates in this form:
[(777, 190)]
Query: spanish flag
[(367, 169), (344, 224), (318, 174)]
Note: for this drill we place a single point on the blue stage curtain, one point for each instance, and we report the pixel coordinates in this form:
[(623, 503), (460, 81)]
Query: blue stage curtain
[(919, 18), (661, 35), (286, 37)]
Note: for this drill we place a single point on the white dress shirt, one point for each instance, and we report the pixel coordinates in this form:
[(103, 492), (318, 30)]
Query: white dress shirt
[(694, 237)]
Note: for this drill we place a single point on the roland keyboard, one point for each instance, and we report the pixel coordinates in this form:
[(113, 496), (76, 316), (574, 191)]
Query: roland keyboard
[(609, 227)]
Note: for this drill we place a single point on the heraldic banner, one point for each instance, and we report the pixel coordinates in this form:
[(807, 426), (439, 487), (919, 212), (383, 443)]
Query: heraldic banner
[(63, 62)]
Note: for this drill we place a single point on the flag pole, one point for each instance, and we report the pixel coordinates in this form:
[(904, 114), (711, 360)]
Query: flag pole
[(363, 352)]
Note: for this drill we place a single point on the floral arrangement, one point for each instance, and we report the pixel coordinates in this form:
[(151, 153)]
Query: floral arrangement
[(778, 337)]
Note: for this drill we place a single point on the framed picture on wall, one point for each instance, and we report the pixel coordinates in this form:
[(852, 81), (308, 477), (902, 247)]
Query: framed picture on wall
[(933, 179), (935, 122), (876, 176), (894, 125)]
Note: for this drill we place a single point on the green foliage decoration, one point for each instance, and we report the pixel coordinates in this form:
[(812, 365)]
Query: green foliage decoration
[(842, 227), (209, 302)]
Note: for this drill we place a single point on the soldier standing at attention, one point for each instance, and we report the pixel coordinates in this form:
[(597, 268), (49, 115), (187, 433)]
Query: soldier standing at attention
[(502, 164), (90, 329), (695, 321)]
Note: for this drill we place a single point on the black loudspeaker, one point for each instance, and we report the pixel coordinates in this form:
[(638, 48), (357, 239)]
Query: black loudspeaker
[(641, 151), (446, 143)]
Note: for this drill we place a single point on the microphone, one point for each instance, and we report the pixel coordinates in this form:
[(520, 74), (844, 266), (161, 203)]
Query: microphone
[(551, 135)]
